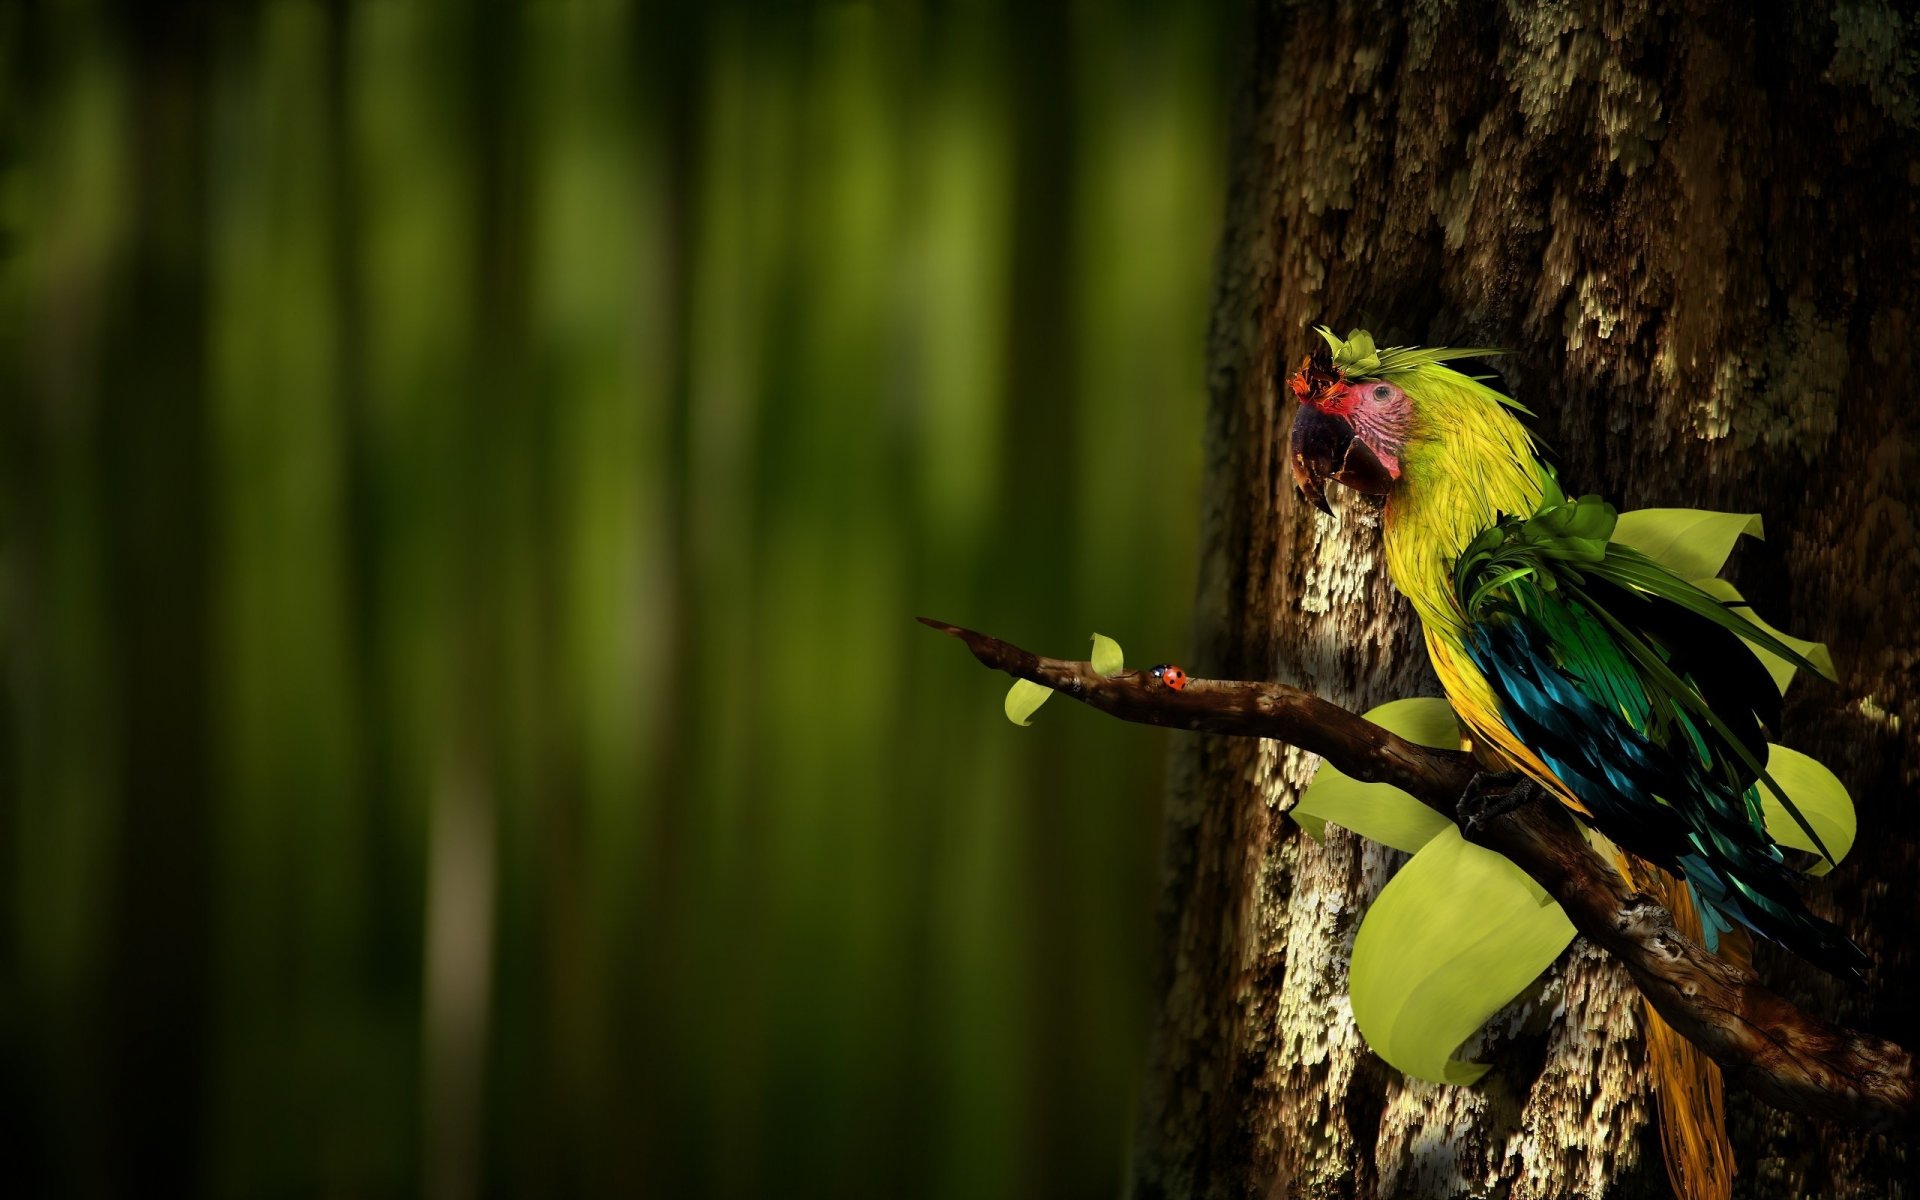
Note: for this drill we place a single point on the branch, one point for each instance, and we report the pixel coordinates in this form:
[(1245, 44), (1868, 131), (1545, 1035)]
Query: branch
[(1791, 1059)]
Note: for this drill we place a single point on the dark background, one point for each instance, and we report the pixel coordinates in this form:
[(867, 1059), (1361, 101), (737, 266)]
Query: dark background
[(467, 472)]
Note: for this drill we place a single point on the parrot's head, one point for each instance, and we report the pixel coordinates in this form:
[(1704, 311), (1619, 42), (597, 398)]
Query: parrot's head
[(1351, 428), (1365, 411)]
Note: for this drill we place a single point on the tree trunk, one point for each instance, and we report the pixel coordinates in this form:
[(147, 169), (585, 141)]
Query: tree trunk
[(1695, 230)]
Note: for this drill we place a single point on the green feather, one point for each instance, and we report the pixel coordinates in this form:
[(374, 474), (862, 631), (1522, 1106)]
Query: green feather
[(1632, 569), (1685, 697)]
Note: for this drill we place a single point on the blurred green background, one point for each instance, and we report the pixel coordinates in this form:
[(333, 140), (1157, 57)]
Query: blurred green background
[(467, 475)]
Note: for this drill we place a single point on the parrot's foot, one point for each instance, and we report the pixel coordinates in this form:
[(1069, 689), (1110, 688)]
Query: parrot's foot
[(1492, 794)]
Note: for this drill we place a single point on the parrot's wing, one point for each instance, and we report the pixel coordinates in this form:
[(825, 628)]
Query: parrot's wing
[(1635, 687)]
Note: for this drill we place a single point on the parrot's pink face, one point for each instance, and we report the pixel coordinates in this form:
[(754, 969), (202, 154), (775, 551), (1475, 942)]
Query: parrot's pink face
[(1349, 431)]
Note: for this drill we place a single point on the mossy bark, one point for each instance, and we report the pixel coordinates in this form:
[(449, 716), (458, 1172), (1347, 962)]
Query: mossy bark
[(1695, 226)]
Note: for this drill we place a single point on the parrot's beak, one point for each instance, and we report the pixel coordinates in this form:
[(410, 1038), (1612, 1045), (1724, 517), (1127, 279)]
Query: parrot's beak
[(1323, 448)]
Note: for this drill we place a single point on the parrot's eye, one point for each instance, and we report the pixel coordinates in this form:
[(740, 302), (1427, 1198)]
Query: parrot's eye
[(1382, 392)]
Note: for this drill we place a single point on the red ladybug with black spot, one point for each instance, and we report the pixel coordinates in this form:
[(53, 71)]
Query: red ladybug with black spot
[(1170, 675)]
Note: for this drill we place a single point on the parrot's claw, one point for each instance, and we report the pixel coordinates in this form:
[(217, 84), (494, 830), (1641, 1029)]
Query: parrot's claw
[(1492, 794)]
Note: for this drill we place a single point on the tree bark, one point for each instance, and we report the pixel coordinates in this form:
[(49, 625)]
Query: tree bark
[(1695, 229)]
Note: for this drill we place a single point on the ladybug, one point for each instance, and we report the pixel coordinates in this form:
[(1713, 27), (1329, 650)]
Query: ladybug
[(1170, 675)]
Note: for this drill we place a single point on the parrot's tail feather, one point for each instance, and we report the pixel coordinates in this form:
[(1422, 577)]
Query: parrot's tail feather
[(1757, 890), (1693, 1113)]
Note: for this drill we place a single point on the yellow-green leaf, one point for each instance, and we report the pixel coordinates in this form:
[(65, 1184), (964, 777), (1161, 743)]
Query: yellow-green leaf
[(1024, 698), (1779, 668), (1381, 811), (1821, 798), (1691, 542), (1107, 659), (1454, 937)]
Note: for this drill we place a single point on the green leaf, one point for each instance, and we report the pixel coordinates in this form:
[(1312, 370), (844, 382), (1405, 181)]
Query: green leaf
[(1024, 699), (1821, 798), (1551, 495), (1691, 542), (1453, 938), (1380, 811), (1358, 357), (1577, 530), (1778, 667), (1106, 655), (1316, 827), (1355, 357)]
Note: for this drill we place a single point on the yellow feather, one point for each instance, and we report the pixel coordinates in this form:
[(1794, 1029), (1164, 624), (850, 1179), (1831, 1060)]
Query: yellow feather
[(1473, 701), (1467, 460), (1692, 1095)]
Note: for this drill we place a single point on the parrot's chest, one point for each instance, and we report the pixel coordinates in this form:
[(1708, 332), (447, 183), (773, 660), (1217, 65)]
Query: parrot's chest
[(1424, 532)]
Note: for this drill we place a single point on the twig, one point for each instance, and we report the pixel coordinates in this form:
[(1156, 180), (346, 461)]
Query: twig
[(1764, 1043)]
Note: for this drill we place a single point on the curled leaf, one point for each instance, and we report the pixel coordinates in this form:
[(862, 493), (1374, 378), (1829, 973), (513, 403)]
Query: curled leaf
[(1691, 542), (1821, 798), (1577, 530), (1024, 699), (1380, 811), (1355, 355), (1107, 659), (1359, 357), (1453, 938)]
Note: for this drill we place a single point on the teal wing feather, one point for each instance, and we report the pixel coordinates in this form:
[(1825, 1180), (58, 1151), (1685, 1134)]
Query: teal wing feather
[(1636, 688)]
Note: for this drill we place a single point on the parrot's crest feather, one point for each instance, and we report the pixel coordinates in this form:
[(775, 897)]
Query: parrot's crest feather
[(1356, 357)]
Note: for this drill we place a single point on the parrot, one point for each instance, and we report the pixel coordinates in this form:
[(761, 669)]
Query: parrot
[(1579, 669)]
